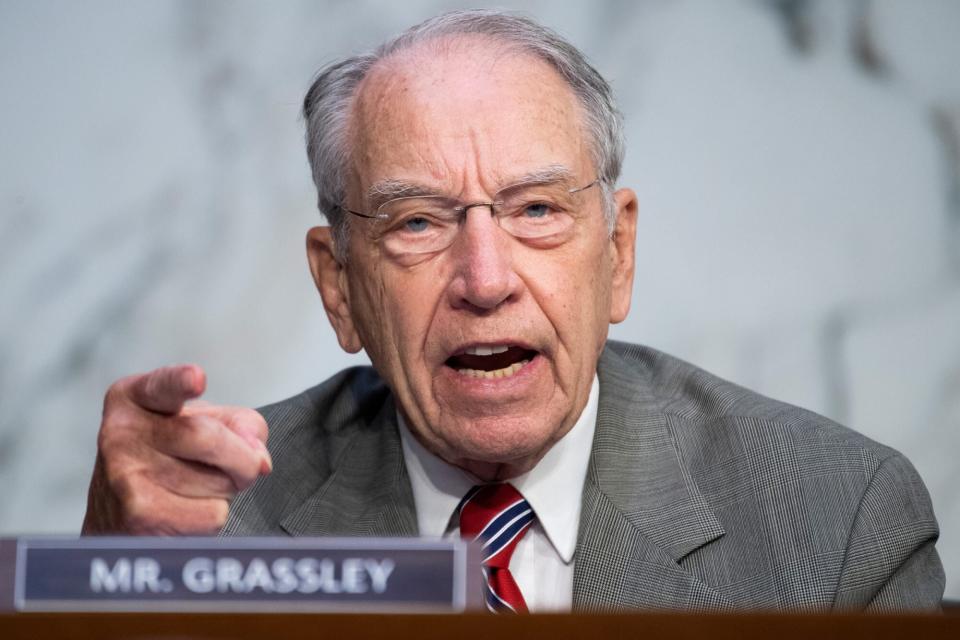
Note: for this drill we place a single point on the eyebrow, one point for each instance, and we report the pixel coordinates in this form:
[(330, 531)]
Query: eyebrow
[(391, 188), (545, 175), (387, 190)]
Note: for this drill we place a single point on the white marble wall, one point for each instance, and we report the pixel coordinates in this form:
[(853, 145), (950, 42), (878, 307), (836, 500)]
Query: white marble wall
[(797, 161)]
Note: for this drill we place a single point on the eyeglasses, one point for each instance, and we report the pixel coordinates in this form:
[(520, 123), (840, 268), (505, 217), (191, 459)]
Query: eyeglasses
[(543, 214)]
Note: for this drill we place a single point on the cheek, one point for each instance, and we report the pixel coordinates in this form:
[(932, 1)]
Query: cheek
[(366, 298), (409, 303), (575, 291), (395, 310), (368, 303)]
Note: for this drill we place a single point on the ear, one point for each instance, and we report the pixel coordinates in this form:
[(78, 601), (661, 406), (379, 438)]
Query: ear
[(624, 243), (331, 279)]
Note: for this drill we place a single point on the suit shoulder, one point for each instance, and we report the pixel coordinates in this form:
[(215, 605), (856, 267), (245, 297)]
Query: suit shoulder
[(339, 399), (697, 400), (324, 417), (829, 517)]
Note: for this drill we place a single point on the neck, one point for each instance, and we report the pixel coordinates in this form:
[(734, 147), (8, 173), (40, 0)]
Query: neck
[(497, 471)]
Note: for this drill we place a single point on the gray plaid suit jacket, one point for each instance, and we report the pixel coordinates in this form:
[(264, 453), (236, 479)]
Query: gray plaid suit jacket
[(699, 494)]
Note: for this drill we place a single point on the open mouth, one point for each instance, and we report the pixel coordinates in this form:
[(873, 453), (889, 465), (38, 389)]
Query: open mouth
[(491, 361)]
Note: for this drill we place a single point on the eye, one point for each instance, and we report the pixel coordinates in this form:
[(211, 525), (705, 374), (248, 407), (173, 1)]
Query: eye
[(417, 224), (537, 210)]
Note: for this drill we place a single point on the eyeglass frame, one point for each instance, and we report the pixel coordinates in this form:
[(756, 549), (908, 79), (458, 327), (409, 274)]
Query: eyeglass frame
[(460, 209)]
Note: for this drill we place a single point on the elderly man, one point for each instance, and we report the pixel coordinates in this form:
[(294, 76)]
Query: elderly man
[(478, 251)]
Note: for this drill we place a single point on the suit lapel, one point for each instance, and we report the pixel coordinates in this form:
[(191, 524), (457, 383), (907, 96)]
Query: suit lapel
[(368, 494), (642, 512)]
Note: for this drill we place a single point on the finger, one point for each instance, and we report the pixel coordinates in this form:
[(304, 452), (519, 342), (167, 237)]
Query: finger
[(165, 390), (246, 423), (149, 509), (191, 479), (251, 426), (204, 439)]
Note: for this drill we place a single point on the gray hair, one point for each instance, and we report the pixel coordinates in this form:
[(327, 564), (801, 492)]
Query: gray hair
[(328, 104)]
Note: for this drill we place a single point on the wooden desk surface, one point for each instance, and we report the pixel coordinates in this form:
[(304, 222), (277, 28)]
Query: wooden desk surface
[(464, 627)]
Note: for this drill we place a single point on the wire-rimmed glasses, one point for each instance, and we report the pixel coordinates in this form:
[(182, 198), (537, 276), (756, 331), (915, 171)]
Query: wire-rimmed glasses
[(544, 212)]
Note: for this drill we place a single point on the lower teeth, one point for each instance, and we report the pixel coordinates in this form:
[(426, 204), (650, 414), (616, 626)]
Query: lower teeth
[(506, 372)]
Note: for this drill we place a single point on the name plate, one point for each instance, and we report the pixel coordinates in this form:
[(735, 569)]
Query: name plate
[(246, 574)]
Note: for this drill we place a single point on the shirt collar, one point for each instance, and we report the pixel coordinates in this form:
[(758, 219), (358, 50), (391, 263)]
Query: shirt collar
[(553, 488)]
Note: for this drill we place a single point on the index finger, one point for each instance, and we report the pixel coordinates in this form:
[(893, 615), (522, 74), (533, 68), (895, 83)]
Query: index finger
[(165, 390)]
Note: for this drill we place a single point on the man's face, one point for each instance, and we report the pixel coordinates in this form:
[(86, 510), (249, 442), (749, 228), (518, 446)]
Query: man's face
[(466, 122)]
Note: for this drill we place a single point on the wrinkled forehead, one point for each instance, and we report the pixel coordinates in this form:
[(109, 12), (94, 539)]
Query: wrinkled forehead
[(464, 109)]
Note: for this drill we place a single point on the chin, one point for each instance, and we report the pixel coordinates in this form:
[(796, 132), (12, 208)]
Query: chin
[(501, 440)]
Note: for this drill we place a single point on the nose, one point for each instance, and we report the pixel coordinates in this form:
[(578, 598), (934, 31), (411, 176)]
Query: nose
[(484, 276)]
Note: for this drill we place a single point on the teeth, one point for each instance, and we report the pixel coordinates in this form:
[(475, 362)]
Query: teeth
[(487, 350), (506, 372)]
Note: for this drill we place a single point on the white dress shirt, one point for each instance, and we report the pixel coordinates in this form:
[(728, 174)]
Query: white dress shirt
[(542, 563)]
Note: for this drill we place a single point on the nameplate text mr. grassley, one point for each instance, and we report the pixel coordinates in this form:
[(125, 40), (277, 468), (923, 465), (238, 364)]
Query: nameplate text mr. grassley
[(229, 575)]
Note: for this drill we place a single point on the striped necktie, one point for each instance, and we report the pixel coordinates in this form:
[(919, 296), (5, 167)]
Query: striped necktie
[(497, 515)]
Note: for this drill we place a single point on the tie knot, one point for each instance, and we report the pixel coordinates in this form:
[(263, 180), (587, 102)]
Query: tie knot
[(498, 516)]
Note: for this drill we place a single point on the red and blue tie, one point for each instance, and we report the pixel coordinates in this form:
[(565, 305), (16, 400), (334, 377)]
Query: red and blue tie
[(497, 515)]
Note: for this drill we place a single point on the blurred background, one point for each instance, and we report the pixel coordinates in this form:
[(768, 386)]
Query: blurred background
[(797, 163)]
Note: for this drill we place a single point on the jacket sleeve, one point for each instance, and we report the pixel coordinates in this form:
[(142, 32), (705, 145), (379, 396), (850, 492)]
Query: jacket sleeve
[(891, 563)]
